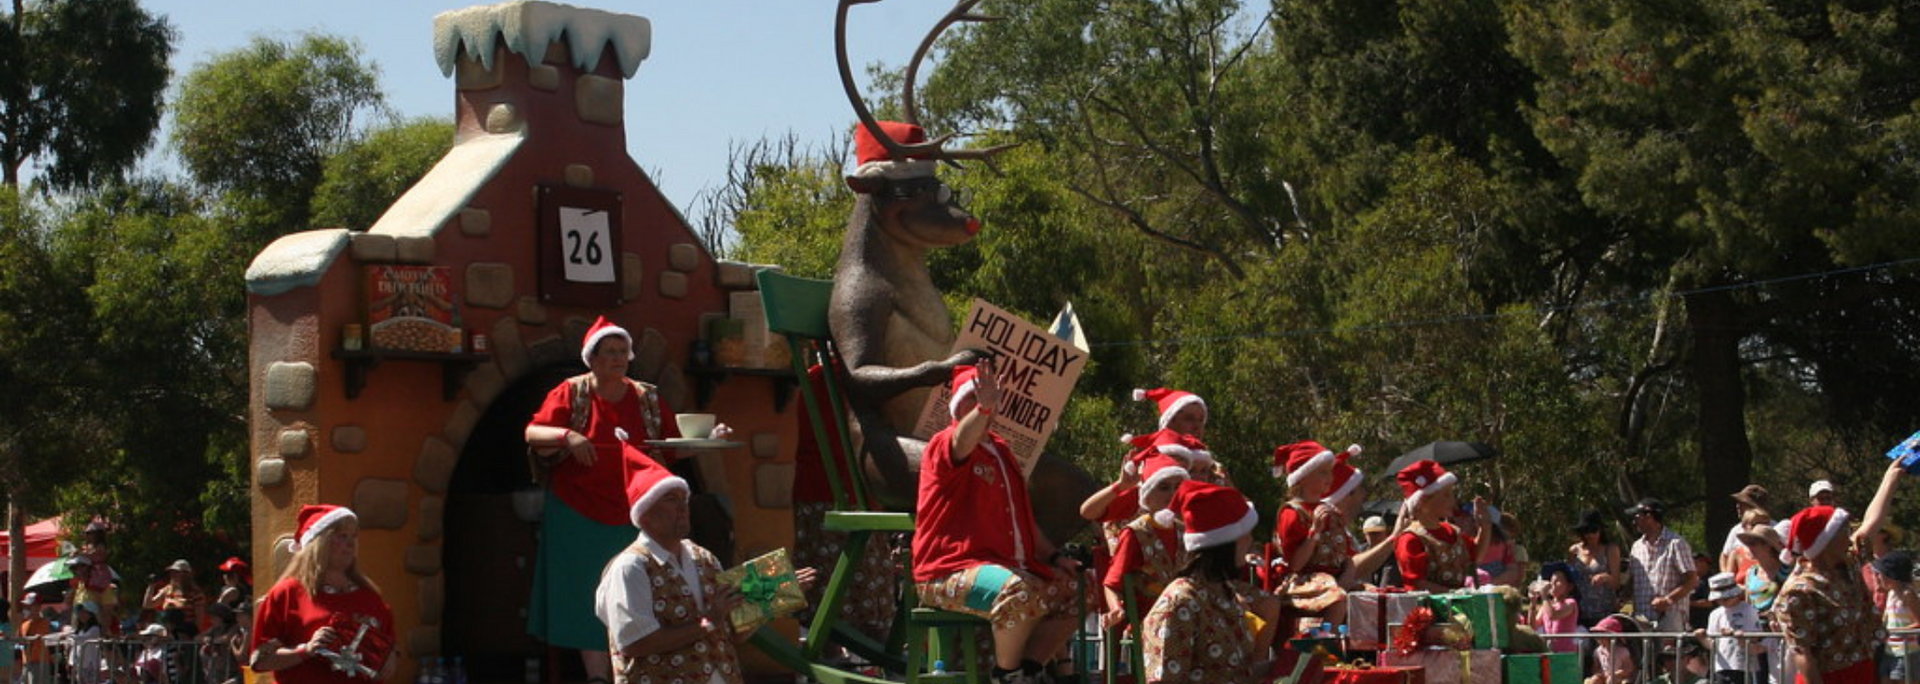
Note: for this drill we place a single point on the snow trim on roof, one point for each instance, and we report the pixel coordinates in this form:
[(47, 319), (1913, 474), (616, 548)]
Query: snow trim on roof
[(294, 261), (529, 26), (448, 186)]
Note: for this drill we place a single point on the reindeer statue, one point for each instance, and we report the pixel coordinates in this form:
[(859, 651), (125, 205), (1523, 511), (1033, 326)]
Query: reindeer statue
[(892, 327)]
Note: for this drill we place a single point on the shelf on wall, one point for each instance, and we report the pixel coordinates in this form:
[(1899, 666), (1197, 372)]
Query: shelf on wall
[(454, 367)]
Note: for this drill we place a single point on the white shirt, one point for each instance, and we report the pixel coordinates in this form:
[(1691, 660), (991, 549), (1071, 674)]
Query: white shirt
[(1735, 654), (624, 599)]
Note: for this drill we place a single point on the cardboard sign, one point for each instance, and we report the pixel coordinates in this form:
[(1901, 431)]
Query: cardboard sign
[(411, 308), (1040, 365)]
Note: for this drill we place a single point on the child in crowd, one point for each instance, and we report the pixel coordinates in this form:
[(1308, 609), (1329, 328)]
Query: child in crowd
[(151, 664), (1894, 572), (1557, 607), (1735, 660), (1612, 663)]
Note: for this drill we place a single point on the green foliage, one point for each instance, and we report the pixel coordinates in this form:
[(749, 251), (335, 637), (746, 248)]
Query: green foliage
[(361, 180), (81, 88), (784, 203), (262, 120)]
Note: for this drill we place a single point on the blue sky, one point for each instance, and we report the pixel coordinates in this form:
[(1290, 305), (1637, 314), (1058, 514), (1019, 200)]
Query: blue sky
[(720, 70)]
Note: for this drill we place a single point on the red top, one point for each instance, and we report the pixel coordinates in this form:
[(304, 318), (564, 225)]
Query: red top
[(290, 615), (1290, 529), (1128, 558), (1125, 507), (1413, 554), (974, 512), (809, 472), (599, 492)]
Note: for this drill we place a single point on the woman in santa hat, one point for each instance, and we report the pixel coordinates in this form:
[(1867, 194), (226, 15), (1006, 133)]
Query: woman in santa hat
[(1433, 554), (579, 431), (1197, 630), (1824, 609), (324, 622), (1310, 549)]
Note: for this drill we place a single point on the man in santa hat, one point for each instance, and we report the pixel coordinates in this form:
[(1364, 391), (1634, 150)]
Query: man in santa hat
[(666, 614), (976, 549), (1833, 632)]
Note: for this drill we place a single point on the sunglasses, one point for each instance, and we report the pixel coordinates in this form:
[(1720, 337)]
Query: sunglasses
[(915, 187)]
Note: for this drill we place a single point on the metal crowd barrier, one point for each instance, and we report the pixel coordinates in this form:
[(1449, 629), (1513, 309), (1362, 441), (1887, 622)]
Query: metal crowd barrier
[(113, 661), (1773, 664)]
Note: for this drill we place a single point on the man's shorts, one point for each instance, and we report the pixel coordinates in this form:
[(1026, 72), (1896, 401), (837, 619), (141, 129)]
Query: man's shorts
[(1003, 596)]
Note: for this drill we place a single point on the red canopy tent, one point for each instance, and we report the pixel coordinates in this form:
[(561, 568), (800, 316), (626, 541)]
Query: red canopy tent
[(43, 544)]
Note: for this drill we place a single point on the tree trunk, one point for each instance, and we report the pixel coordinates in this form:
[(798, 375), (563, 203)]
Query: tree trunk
[(1726, 457), (16, 553)]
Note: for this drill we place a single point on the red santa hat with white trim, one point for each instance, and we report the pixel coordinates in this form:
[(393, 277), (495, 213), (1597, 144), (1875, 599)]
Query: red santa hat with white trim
[(1188, 448), (647, 482), (1814, 528), (1170, 401), (875, 161), (1346, 478), (1298, 460), (601, 330), (315, 519), (965, 380), (1423, 479), (1213, 514), (1155, 470)]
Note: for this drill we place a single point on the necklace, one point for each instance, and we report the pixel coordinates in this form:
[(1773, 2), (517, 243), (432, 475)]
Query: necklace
[(326, 588)]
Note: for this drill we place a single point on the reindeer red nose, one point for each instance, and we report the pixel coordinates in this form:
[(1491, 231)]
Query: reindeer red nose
[(973, 226)]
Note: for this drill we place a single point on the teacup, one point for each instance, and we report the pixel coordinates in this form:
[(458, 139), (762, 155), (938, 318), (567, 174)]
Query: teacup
[(695, 425)]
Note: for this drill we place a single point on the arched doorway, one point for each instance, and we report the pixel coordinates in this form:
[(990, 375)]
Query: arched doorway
[(489, 548)]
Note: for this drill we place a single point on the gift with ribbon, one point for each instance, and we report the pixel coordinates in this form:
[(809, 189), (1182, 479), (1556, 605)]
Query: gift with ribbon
[(1372, 616), (770, 588), (1447, 666), (1364, 673), (1542, 668), (1489, 614)]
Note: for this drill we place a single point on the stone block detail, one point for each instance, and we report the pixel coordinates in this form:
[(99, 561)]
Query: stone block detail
[(413, 249), (543, 77), (530, 311), (433, 599), (733, 275), (650, 356), (674, 388), (766, 445), (484, 384), (290, 386), (632, 271), (551, 351), (673, 285), (423, 560), (434, 466), (460, 424), (433, 512), (599, 100), (470, 74), (372, 248), (503, 118), (381, 504), (683, 256), (423, 641), (489, 285), (270, 472), (773, 485), (295, 443), (508, 353), (476, 222), (578, 176), (349, 439)]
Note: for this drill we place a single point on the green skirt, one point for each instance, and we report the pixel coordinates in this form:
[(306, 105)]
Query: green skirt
[(573, 551)]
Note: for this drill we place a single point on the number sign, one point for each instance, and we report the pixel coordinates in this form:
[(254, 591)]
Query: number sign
[(578, 246), (584, 239)]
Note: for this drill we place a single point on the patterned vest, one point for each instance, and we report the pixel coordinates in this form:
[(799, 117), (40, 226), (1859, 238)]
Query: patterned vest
[(1331, 548), (1447, 564), (673, 604), (1162, 563)]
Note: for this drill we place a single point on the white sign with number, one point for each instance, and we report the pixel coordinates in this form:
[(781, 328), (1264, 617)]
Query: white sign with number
[(586, 245)]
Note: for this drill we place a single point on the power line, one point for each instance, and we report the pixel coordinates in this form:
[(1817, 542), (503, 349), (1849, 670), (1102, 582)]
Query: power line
[(1529, 311)]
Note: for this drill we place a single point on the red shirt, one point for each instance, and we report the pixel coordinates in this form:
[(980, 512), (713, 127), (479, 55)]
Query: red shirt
[(1413, 554), (809, 471), (290, 615), (1125, 507), (1128, 558), (974, 512), (599, 492)]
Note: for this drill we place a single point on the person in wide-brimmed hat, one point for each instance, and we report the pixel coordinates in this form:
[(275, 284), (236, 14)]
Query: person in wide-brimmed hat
[(1762, 579), (1733, 554), (1734, 660), (179, 600)]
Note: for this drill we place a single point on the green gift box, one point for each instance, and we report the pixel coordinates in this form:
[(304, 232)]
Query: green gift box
[(770, 588), (1488, 614), (1542, 668)]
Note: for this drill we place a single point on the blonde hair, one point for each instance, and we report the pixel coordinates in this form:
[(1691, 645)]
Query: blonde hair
[(309, 562), (1756, 515)]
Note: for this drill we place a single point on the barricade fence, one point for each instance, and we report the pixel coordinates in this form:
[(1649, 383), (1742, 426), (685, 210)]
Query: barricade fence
[(63, 659), (1762, 656)]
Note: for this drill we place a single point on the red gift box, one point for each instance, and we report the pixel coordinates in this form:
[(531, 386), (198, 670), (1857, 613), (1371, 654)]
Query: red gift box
[(1376, 675)]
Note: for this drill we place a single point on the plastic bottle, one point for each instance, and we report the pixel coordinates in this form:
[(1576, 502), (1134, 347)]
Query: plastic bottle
[(939, 667)]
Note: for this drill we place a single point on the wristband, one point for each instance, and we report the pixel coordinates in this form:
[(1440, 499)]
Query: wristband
[(302, 651)]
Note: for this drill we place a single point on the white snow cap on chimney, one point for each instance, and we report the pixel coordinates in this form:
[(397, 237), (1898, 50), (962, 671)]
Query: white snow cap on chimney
[(528, 26)]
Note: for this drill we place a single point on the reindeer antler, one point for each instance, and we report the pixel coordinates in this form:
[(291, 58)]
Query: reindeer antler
[(962, 12)]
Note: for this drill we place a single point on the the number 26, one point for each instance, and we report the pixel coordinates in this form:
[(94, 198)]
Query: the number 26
[(591, 245)]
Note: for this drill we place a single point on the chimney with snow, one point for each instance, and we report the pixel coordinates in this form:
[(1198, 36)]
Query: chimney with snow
[(542, 67)]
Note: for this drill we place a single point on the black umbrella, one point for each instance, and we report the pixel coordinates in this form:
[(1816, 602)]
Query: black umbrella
[(1446, 453)]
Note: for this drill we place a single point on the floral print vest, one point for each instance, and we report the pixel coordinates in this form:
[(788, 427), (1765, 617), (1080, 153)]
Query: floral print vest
[(1447, 564), (673, 604)]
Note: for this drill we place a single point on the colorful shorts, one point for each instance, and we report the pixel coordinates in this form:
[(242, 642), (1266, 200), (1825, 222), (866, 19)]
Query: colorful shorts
[(1004, 597)]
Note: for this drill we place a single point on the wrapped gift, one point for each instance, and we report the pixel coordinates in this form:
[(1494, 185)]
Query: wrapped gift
[(1488, 614), (770, 588), (1372, 616), (1445, 666), (1542, 668), (1364, 674)]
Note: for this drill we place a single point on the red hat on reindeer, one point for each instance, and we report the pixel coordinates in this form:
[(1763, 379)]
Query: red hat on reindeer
[(876, 162)]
